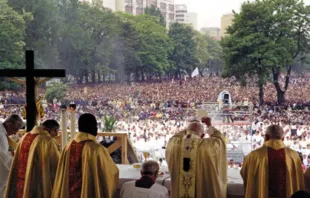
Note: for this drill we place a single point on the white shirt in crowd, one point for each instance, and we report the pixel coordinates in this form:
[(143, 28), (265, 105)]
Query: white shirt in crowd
[(300, 131), (5, 160), (129, 190)]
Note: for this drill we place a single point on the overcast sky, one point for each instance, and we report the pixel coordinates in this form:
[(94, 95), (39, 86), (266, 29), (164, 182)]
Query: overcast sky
[(210, 11)]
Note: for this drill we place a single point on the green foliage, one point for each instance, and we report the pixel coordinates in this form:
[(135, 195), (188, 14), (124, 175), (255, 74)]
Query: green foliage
[(202, 51), (154, 11), (183, 56), (266, 38), (12, 31), (94, 44), (56, 90), (109, 124), (43, 31)]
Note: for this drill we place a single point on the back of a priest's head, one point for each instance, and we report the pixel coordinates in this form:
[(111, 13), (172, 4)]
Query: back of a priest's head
[(88, 124), (274, 132), (51, 126)]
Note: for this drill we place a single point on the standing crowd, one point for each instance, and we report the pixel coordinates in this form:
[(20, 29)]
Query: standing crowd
[(196, 159)]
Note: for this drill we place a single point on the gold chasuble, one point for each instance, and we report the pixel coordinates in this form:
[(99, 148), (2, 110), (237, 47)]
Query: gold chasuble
[(307, 179), (85, 170), (34, 166), (198, 167), (272, 171)]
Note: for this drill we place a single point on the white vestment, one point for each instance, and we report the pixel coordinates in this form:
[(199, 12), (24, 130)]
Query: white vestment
[(5, 160), (129, 190)]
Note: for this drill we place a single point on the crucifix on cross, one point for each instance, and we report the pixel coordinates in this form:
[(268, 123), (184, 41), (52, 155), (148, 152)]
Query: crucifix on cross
[(31, 82)]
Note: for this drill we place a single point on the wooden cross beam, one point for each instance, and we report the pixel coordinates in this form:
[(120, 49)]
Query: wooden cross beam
[(30, 73)]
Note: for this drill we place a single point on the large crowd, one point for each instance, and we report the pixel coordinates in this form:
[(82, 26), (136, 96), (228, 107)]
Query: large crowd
[(151, 112)]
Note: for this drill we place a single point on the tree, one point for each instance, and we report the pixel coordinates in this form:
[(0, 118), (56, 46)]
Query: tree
[(154, 11), (56, 90), (101, 27), (247, 52), (85, 47), (290, 30), (124, 57), (215, 52), (41, 32), (152, 48), (265, 38), (201, 51), (12, 31), (183, 55)]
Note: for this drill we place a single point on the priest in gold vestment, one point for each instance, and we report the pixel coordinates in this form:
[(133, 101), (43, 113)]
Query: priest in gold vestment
[(272, 170), (198, 167), (307, 179), (35, 162), (85, 168)]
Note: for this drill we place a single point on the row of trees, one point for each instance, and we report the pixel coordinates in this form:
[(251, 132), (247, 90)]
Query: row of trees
[(268, 38), (92, 43)]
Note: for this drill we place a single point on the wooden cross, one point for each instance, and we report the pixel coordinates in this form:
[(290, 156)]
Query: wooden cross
[(30, 73)]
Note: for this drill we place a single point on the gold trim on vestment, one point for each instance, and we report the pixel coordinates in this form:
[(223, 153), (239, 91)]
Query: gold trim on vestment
[(189, 146), (81, 136)]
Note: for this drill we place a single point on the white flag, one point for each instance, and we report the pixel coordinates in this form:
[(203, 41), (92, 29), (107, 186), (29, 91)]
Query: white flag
[(195, 72)]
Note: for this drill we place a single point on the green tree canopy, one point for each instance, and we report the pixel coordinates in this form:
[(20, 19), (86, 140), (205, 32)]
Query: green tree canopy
[(265, 39), (183, 56), (41, 32), (154, 11), (12, 31), (95, 44), (56, 90)]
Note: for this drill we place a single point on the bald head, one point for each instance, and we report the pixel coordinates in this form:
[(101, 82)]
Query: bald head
[(195, 127), (150, 168), (274, 132)]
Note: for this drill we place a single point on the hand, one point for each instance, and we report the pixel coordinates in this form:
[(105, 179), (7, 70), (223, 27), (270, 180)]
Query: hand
[(207, 121)]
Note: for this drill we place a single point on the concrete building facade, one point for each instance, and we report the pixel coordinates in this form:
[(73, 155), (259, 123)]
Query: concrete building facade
[(226, 21), (166, 7), (114, 5), (183, 16)]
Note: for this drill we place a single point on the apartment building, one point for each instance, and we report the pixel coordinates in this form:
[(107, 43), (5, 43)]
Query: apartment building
[(183, 16), (166, 7), (226, 21)]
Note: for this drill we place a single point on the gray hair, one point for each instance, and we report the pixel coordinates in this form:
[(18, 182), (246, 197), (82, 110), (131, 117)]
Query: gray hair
[(275, 132), (195, 126), (15, 120), (150, 168)]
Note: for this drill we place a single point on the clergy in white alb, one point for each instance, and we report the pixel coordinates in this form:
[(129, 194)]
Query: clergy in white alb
[(145, 186), (9, 127)]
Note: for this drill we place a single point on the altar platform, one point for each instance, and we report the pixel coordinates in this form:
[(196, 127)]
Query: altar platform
[(128, 173)]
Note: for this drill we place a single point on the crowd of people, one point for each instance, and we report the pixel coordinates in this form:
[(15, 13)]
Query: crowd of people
[(151, 112), (196, 159)]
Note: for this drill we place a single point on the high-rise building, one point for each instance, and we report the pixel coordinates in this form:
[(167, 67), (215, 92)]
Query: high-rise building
[(183, 16), (166, 7), (214, 32), (114, 5), (226, 21)]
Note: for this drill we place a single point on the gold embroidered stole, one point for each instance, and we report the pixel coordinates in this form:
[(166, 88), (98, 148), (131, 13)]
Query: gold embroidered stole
[(189, 146)]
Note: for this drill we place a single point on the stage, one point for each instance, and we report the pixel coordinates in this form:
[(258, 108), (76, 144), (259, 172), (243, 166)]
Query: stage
[(234, 190)]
